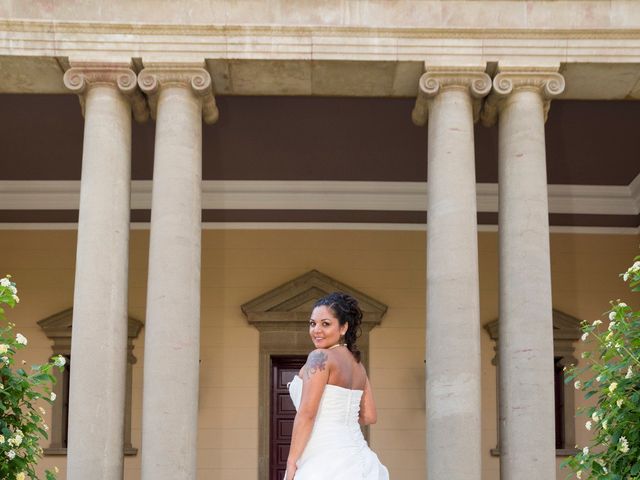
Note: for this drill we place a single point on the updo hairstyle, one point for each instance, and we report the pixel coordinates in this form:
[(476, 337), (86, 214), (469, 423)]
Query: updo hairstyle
[(345, 308)]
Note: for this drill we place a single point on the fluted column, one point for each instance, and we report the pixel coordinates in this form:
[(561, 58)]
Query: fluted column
[(520, 100), (450, 100), (180, 96), (99, 336)]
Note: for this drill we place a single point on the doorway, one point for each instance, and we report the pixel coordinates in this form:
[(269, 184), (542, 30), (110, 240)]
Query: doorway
[(282, 411)]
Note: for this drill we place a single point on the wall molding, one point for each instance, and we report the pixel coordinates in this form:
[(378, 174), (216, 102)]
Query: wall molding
[(634, 191), (406, 227), (323, 195)]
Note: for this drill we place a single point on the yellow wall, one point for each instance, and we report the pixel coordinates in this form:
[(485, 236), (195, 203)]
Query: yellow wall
[(240, 265)]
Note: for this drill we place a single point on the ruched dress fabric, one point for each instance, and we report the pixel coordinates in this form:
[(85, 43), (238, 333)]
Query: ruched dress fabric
[(336, 449)]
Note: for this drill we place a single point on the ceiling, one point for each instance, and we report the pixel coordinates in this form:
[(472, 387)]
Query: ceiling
[(266, 138)]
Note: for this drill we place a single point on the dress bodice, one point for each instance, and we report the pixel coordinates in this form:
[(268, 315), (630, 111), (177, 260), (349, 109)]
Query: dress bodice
[(336, 449), (337, 405)]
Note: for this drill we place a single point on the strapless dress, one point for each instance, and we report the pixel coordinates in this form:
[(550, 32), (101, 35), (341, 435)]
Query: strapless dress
[(336, 449)]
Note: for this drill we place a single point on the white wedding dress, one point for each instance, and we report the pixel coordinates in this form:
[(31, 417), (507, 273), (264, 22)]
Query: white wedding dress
[(336, 449)]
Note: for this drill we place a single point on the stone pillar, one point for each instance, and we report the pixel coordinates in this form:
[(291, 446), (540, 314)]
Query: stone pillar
[(179, 96), (527, 435), (99, 335), (450, 100)]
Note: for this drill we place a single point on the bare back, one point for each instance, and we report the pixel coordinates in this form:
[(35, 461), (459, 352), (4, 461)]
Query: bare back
[(346, 371)]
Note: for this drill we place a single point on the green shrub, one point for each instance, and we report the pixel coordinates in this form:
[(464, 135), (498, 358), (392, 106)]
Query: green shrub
[(612, 376), (21, 418)]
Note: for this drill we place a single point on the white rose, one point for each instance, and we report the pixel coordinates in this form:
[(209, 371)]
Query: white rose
[(11, 454), (4, 348), (5, 282), (597, 322), (585, 451), (584, 336), (613, 386), (21, 339), (59, 361), (624, 444), (588, 425), (612, 315), (52, 397)]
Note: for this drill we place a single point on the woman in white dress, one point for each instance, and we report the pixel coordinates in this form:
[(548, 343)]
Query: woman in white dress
[(333, 398)]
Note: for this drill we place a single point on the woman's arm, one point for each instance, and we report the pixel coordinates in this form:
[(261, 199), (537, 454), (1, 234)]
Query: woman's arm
[(315, 376), (368, 412)]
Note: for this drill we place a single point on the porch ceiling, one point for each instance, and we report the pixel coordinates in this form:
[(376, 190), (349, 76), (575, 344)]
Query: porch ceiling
[(312, 138), (591, 145)]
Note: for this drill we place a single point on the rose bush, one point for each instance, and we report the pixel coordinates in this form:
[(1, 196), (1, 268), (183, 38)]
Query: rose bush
[(612, 376), (21, 418)]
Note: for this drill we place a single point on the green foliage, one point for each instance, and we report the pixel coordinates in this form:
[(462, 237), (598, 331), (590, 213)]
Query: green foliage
[(612, 376), (21, 418)]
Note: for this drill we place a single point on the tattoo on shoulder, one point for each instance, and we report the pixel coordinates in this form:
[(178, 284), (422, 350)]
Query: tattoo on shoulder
[(316, 362)]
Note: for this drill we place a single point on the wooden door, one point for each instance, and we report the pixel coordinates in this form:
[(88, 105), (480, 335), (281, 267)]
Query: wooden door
[(282, 412)]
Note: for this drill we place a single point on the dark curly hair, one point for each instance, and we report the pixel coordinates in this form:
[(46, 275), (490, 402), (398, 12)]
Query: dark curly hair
[(346, 310)]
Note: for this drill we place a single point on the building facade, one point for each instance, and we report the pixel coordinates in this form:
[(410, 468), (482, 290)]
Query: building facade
[(230, 161)]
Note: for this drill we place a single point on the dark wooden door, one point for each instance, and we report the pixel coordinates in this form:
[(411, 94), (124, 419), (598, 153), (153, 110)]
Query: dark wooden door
[(282, 413)]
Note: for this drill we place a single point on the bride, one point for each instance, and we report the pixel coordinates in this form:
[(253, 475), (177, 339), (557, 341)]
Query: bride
[(332, 396)]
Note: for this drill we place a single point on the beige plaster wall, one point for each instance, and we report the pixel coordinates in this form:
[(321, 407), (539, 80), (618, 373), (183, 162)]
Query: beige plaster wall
[(240, 265)]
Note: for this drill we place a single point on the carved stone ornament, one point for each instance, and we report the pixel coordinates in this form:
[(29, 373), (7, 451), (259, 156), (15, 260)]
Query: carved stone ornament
[(152, 79), (548, 84), (80, 78), (476, 82)]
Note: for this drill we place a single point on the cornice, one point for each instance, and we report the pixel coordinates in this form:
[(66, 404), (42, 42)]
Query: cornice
[(549, 84), (152, 79), (60, 39), (61, 27), (83, 76), (475, 81), (320, 195)]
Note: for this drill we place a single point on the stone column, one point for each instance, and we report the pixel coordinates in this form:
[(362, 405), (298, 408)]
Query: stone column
[(179, 96), (450, 100), (520, 100), (99, 334)]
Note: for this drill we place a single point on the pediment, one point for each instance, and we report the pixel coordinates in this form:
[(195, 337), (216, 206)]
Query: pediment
[(293, 301), (565, 327), (59, 325)]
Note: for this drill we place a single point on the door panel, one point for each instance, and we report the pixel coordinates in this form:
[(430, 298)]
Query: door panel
[(282, 412)]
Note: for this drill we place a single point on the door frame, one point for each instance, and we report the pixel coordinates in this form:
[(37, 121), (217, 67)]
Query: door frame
[(285, 362)]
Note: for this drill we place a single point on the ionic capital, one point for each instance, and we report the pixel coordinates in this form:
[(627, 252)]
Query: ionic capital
[(548, 84), (476, 82), (153, 79), (83, 76)]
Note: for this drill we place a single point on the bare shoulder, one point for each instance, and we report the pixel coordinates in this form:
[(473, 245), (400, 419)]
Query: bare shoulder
[(317, 361)]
